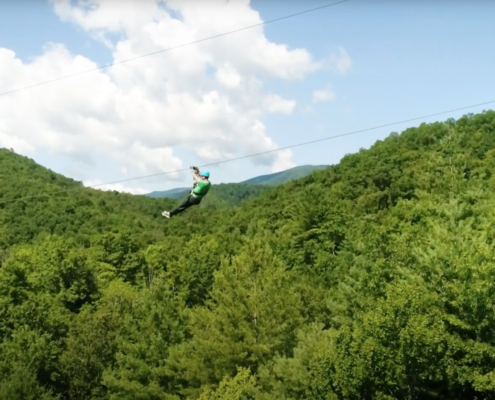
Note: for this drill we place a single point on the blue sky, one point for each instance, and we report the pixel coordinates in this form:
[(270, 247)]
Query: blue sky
[(409, 58)]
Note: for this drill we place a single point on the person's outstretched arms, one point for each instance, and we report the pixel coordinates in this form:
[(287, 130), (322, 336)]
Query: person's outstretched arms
[(196, 177)]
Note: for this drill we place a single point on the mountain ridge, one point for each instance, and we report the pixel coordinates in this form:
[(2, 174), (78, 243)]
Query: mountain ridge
[(273, 179)]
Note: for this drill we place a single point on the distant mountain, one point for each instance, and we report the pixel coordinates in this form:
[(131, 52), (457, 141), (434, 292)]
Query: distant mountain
[(285, 176), (275, 179), (172, 193)]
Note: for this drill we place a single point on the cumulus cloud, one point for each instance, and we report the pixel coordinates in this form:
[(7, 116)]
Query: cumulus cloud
[(283, 162), (228, 76), (323, 95), (207, 99), (14, 142), (277, 104)]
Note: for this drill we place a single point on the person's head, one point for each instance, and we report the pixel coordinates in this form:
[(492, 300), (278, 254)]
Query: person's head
[(205, 175)]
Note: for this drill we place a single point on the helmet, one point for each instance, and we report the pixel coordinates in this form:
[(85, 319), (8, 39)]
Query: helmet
[(205, 173)]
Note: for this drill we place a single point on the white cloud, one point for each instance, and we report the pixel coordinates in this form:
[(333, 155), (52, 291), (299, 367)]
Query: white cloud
[(341, 61), (228, 76), (283, 162), (98, 185), (323, 95), (277, 104), (14, 142), (206, 99)]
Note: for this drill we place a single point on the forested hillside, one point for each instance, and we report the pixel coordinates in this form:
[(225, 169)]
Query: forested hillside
[(372, 279), (52, 204)]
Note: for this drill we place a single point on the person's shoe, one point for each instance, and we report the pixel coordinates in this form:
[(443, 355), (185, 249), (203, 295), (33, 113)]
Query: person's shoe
[(166, 214)]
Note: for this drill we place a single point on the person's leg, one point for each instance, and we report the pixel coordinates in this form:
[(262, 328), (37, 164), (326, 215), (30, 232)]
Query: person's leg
[(184, 206), (194, 201), (190, 201)]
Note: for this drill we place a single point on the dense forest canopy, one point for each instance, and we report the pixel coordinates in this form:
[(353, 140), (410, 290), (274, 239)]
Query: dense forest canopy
[(371, 279)]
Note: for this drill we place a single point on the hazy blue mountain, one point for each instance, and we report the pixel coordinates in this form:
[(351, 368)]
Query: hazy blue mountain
[(172, 193), (284, 176), (277, 178)]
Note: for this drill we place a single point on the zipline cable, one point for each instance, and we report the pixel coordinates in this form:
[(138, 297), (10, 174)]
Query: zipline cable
[(255, 154), (173, 48)]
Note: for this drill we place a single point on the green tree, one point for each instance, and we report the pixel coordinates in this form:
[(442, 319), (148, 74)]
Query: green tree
[(238, 388), (252, 314)]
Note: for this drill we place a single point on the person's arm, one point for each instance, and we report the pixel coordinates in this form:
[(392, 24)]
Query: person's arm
[(196, 177)]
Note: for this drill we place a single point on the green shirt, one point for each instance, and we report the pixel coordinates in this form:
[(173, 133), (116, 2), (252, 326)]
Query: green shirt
[(201, 188)]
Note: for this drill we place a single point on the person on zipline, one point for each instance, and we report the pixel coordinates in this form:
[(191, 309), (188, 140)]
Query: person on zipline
[(201, 186)]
